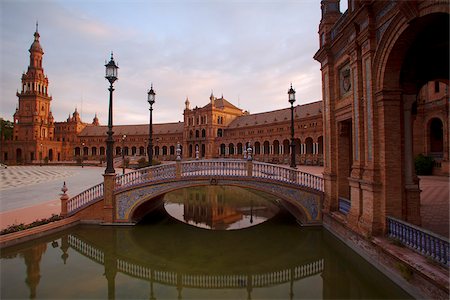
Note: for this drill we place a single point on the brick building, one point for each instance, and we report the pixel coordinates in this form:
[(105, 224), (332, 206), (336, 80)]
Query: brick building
[(385, 76), (218, 129)]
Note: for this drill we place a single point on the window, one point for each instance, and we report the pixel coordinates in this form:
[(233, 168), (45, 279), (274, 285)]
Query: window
[(436, 86)]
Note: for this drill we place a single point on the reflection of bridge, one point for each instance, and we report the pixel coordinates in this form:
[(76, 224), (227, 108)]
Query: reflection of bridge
[(221, 281), (127, 196)]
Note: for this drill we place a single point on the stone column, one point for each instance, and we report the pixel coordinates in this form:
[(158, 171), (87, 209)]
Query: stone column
[(64, 198), (109, 181), (412, 189)]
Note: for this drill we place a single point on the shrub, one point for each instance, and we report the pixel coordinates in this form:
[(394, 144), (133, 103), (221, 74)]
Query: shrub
[(19, 227), (142, 163), (423, 165)]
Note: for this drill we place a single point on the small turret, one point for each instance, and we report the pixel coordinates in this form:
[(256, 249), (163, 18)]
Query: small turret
[(330, 14), (95, 121), (212, 98), (187, 103)]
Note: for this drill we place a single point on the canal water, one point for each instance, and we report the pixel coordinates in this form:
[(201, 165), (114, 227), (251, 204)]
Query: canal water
[(202, 243)]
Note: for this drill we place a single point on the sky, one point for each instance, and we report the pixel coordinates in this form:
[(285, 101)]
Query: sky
[(249, 51)]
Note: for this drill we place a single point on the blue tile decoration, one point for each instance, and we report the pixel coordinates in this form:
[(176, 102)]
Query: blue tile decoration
[(309, 202)]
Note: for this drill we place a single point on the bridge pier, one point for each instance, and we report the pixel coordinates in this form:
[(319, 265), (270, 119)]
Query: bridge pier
[(109, 181)]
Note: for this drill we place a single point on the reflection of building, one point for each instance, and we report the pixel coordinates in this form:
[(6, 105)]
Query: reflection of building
[(380, 60), (209, 208), (32, 257), (218, 129)]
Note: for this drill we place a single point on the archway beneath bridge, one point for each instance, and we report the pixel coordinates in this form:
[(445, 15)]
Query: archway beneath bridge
[(304, 205)]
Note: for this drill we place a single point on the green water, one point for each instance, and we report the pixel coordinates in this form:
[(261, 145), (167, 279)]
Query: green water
[(165, 258)]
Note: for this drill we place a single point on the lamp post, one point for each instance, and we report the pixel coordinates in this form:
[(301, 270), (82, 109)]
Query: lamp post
[(291, 93), (82, 153), (111, 75), (151, 100), (123, 153)]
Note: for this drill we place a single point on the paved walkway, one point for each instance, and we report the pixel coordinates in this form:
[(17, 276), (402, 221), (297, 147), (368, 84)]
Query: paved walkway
[(28, 193)]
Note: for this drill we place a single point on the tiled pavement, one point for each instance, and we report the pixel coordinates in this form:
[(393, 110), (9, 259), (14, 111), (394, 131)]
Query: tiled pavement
[(18, 176), (32, 192), (434, 208)]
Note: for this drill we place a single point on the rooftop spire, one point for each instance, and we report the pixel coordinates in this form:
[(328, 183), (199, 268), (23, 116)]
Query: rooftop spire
[(37, 24)]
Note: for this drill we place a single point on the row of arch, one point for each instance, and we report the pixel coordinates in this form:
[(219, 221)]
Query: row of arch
[(275, 148), (133, 150)]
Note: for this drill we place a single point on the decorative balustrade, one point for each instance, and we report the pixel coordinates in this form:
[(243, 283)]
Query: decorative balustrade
[(344, 205), (145, 175), (223, 167), (288, 175), (199, 168), (419, 239), (84, 198)]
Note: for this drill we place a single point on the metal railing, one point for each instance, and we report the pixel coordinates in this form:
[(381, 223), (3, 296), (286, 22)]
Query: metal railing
[(419, 239)]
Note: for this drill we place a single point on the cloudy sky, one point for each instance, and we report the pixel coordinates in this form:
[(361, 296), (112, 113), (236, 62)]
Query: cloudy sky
[(247, 50)]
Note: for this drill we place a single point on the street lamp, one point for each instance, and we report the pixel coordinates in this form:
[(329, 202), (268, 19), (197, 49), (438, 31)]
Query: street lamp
[(151, 100), (82, 153), (111, 75), (291, 93), (123, 153)]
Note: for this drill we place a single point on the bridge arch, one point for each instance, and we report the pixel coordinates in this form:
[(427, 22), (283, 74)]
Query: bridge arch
[(131, 204), (300, 193)]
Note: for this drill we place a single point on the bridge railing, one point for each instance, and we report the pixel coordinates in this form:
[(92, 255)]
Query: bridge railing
[(288, 175), (88, 196), (154, 173), (223, 167), (213, 167), (419, 239)]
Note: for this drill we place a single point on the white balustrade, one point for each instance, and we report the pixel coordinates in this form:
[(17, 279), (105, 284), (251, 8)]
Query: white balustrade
[(199, 168)]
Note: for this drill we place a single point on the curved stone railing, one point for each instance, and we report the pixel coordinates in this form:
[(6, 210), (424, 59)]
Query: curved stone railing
[(200, 280), (200, 168), (221, 167), (287, 175), (149, 174), (84, 198)]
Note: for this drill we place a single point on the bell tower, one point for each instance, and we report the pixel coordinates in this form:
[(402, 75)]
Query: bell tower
[(33, 120)]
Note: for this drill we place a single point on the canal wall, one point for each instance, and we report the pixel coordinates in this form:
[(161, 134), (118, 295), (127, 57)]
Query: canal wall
[(411, 271), (18, 237)]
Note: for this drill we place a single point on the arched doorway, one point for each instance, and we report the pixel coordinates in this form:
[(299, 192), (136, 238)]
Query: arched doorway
[(418, 53), (50, 155), (19, 158), (436, 137)]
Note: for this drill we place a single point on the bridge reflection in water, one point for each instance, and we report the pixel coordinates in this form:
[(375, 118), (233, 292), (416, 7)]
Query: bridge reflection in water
[(169, 260), (221, 207)]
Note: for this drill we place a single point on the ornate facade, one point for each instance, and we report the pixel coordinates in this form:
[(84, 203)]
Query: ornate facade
[(385, 75), (218, 129)]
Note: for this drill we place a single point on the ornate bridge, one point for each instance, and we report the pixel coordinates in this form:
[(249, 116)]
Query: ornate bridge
[(300, 193)]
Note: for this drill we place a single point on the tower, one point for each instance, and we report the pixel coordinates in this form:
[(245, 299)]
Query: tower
[(34, 128), (33, 119)]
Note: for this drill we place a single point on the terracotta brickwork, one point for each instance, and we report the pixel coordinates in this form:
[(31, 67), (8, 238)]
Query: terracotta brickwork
[(218, 129), (385, 96)]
